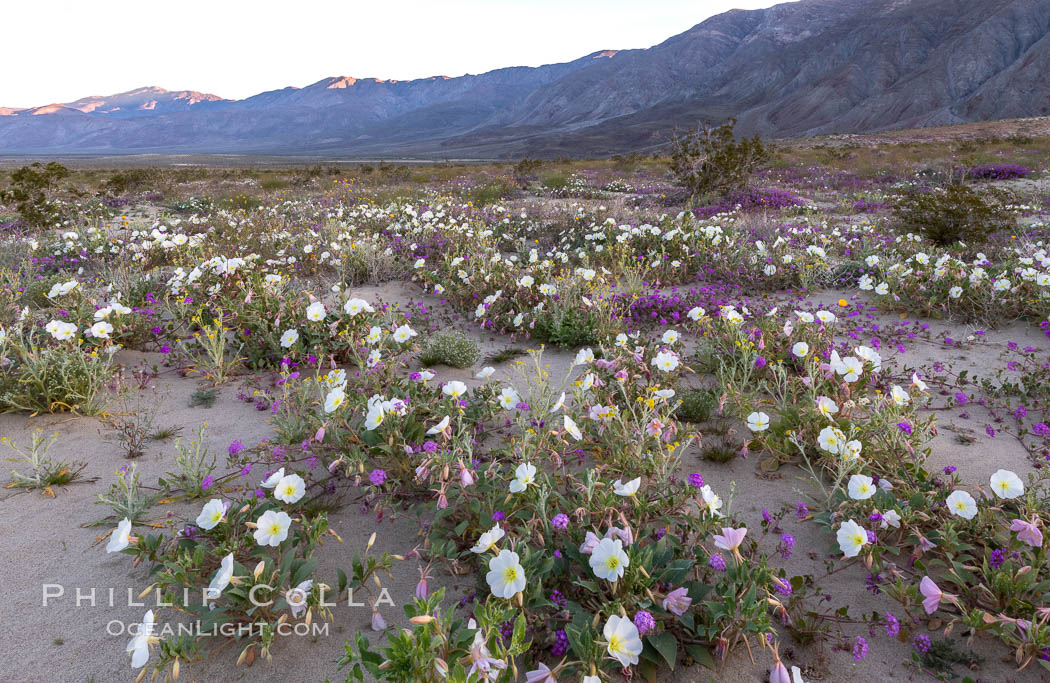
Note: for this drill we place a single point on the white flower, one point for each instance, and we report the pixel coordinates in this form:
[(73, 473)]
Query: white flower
[(851, 369), (222, 578), (296, 597), (354, 306), (101, 330), (826, 317), (696, 313), (890, 518), (900, 396), (628, 489), (524, 475), (454, 389), (955, 292), (800, 349), (667, 362), (272, 480), (488, 540), (290, 489), (584, 356), (827, 407), (120, 538), (670, 337), (917, 382), (758, 422), (139, 645), (61, 330), (572, 428), (851, 451), (851, 537), (861, 487), (509, 398), (624, 643), (485, 373), (289, 338), (506, 577), (211, 515), (608, 560), (272, 528), (711, 500), (374, 416), (334, 399), (315, 312), (962, 504), (1006, 484), (439, 427), (558, 405), (831, 439), (403, 334)]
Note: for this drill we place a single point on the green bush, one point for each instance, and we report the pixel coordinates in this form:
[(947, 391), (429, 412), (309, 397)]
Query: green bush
[(713, 161), (555, 181), (952, 214), (697, 405), (33, 190), (454, 349), (54, 380), (570, 327)]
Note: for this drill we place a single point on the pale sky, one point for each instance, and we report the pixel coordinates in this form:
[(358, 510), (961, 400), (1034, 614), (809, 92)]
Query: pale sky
[(62, 50)]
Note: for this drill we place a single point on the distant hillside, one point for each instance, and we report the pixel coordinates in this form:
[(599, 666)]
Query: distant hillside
[(803, 68)]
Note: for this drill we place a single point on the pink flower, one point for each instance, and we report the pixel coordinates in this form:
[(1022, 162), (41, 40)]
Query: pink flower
[(730, 539), (1027, 532), (541, 675), (624, 535), (678, 601), (466, 477), (378, 622), (654, 428), (933, 594), (589, 543)]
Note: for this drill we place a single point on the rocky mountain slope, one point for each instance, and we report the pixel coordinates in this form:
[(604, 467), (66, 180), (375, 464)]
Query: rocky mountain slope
[(802, 68)]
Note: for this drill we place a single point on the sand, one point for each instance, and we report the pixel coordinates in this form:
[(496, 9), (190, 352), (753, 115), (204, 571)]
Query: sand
[(43, 540)]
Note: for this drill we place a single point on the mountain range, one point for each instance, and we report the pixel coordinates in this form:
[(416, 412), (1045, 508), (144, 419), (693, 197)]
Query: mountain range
[(794, 69)]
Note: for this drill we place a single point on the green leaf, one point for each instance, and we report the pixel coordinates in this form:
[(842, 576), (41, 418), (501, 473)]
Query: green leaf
[(701, 655), (667, 645)]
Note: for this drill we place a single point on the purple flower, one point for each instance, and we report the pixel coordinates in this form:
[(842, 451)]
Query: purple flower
[(787, 544), (235, 448), (558, 599), (989, 431), (498, 516), (922, 643), (904, 427), (206, 484), (377, 477), (997, 558), (696, 481), (893, 627), (961, 398), (644, 622), (560, 521), (860, 649), (801, 511), (246, 470), (717, 563), (949, 469), (760, 362), (429, 446), (561, 643)]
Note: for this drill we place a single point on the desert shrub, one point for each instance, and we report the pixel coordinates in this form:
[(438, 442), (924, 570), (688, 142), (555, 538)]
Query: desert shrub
[(454, 349), (131, 180), (54, 380), (697, 405), (33, 190), (568, 327), (713, 161), (526, 169), (555, 181), (490, 193), (951, 214)]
